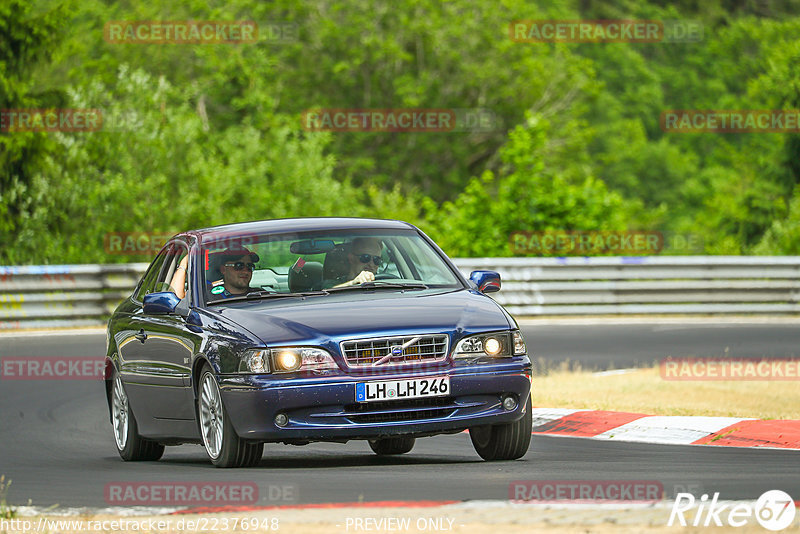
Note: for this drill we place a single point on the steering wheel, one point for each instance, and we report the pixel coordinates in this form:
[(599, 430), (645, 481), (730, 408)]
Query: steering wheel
[(385, 276)]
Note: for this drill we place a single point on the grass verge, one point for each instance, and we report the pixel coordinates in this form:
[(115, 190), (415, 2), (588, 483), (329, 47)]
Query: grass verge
[(644, 391), (6, 511)]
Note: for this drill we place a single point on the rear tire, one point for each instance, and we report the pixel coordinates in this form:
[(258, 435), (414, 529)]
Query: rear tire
[(390, 446), (130, 445), (508, 441), (223, 446)]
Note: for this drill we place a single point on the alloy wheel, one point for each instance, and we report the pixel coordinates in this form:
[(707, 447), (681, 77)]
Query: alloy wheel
[(211, 417), (120, 413)]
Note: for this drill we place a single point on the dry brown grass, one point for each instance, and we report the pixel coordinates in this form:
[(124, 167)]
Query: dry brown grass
[(644, 391)]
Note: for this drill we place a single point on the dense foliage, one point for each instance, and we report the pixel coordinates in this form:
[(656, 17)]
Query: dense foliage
[(203, 134)]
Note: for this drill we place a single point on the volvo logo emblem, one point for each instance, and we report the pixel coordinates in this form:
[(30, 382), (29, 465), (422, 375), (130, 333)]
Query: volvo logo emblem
[(395, 351)]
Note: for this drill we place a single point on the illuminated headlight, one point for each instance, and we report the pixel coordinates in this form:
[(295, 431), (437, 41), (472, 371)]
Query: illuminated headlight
[(519, 343), (497, 344), (290, 359), (286, 360), (492, 346)]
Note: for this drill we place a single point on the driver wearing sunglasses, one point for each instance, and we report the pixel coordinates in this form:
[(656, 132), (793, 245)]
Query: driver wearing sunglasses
[(363, 260), (237, 268)]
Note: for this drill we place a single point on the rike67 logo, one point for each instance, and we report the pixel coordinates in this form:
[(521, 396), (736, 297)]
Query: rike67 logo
[(774, 510)]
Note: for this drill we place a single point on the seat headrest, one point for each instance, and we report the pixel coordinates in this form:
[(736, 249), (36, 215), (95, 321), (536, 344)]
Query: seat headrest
[(335, 265), (306, 278)]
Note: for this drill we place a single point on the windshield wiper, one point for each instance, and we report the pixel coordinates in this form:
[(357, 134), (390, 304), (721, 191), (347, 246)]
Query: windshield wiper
[(259, 295), (381, 284), (376, 284)]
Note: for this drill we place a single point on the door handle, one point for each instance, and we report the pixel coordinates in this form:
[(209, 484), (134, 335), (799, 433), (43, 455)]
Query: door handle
[(141, 336)]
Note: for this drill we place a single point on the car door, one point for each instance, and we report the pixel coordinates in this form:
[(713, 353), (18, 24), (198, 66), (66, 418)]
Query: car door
[(156, 356)]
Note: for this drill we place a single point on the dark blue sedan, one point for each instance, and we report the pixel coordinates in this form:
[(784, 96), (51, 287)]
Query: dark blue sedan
[(302, 330)]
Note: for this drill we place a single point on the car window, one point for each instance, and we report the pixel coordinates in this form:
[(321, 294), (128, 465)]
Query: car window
[(162, 272), (152, 275), (164, 280), (309, 261), (178, 279), (426, 264)]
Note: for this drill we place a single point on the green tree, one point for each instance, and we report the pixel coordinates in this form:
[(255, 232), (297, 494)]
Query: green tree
[(27, 40), (542, 185)]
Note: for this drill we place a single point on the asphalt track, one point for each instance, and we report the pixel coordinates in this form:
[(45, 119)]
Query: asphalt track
[(56, 445), (619, 345)]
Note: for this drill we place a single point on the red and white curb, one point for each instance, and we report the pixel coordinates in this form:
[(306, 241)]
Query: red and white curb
[(668, 430)]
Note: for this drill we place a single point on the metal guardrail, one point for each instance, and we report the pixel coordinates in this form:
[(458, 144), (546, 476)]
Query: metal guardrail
[(646, 284), (78, 295), (63, 295)]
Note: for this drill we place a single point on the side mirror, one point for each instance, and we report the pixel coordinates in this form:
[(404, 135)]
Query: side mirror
[(160, 303), (487, 281)]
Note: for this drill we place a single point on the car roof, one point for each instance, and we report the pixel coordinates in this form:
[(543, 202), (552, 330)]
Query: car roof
[(300, 224)]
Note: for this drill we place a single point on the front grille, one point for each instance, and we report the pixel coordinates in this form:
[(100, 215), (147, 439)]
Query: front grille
[(368, 352), (433, 402), (401, 416), (410, 410)]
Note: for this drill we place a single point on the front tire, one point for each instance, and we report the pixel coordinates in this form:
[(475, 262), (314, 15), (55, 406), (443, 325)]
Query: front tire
[(130, 445), (391, 446), (508, 441), (223, 446)]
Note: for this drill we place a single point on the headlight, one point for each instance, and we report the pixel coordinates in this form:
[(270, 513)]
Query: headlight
[(255, 361), (286, 360), (290, 359), (492, 346), (496, 344)]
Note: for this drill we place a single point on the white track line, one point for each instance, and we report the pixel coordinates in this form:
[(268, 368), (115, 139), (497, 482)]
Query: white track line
[(669, 429)]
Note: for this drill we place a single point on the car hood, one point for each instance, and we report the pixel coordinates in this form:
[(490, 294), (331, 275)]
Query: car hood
[(321, 320)]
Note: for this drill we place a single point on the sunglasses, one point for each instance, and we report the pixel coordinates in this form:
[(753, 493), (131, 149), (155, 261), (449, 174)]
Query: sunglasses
[(240, 266), (364, 258)]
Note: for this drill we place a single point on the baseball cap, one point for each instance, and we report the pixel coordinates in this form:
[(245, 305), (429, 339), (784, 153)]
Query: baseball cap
[(235, 254)]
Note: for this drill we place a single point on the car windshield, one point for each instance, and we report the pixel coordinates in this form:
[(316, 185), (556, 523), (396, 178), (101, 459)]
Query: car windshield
[(313, 262)]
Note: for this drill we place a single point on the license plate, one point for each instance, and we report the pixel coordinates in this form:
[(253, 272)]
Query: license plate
[(436, 386)]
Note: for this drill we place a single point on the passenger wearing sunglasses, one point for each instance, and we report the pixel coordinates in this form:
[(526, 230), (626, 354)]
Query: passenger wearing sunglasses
[(236, 267), (363, 260)]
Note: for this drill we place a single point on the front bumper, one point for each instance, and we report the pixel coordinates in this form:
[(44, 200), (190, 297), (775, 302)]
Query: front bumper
[(325, 409)]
